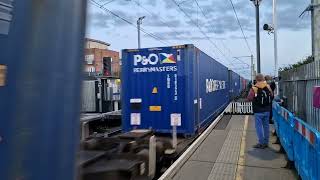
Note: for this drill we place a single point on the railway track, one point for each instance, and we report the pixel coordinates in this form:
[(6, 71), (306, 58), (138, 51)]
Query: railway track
[(129, 153)]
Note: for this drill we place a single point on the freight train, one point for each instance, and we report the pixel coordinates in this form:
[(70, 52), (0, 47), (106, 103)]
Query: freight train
[(169, 96)]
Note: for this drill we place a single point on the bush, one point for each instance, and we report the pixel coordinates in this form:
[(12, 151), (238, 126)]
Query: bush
[(307, 60)]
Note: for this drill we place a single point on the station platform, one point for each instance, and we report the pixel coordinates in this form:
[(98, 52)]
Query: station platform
[(227, 153)]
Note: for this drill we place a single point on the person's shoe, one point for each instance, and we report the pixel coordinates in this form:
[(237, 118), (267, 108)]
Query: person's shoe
[(258, 146), (265, 146)]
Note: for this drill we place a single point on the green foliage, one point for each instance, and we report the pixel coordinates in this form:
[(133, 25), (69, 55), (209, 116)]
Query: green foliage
[(307, 60)]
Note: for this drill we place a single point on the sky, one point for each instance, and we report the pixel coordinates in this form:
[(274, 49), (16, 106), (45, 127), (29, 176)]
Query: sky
[(211, 25)]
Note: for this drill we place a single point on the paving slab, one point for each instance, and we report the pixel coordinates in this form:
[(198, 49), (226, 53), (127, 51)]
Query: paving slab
[(236, 123), (210, 147), (225, 166), (223, 171), (257, 173), (251, 124), (194, 170), (231, 148)]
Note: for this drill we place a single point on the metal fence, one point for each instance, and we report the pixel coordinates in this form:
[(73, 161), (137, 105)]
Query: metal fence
[(239, 108), (297, 85)]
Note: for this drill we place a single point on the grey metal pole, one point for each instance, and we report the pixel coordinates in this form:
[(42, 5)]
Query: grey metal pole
[(257, 3), (312, 30), (252, 69), (275, 38), (139, 22), (275, 28), (100, 94), (138, 25)]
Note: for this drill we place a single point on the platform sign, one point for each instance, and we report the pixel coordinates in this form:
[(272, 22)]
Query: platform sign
[(175, 119), (135, 119)]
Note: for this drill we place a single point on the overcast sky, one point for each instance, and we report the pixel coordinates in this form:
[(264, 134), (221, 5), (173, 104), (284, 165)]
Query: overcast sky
[(167, 22)]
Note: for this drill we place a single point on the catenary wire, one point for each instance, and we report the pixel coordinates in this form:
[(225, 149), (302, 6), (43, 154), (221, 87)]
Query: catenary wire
[(130, 23), (155, 15), (239, 23), (195, 24), (211, 26)]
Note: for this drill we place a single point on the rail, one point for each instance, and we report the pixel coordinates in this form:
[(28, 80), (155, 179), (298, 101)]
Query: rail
[(96, 116), (86, 118)]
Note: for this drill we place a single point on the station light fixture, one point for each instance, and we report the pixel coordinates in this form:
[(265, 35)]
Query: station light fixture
[(269, 28)]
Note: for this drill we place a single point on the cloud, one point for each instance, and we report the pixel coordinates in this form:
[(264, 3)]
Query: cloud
[(184, 36), (123, 2), (173, 35), (104, 19), (220, 18), (241, 37), (152, 2), (157, 21), (288, 12), (227, 24)]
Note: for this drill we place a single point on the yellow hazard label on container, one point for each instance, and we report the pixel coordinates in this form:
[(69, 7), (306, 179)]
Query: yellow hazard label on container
[(154, 108), (155, 90), (3, 73)]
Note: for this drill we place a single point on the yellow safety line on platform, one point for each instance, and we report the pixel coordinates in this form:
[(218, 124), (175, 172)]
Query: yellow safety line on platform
[(240, 167)]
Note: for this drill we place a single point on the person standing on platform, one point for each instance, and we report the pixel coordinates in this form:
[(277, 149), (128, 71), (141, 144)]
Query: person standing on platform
[(271, 82), (261, 96), (272, 85)]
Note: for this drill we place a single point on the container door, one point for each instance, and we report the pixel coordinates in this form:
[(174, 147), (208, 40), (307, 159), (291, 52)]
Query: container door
[(155, 88), (197, 92), (230, 84)]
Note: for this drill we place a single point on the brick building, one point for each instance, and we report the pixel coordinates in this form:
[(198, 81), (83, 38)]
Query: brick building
[(99, 60)]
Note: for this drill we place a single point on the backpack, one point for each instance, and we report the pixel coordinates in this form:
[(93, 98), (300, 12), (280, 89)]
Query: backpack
[(263, 97)]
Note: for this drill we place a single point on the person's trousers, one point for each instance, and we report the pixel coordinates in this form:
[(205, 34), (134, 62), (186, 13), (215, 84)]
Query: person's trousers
[(262, 126)]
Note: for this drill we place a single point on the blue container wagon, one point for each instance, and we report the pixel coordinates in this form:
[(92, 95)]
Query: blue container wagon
[(176, 85), (234, 84)]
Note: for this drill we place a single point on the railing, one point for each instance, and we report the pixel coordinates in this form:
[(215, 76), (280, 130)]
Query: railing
[(239, 108), (300, 141), (297, 86)]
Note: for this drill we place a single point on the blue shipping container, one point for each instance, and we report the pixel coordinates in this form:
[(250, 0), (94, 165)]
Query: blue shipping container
[(234, 84), (171, 85), (39, 90)]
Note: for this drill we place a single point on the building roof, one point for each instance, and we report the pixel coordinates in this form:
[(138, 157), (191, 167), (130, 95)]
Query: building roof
[(97, 41)]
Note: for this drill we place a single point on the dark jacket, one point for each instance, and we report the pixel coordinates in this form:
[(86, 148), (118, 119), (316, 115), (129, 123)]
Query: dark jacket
[(251, 96), (272, 85)]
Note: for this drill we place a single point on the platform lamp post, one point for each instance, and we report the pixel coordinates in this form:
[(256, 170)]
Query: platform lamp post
[(139, 22), (273, 29), (257, 4)]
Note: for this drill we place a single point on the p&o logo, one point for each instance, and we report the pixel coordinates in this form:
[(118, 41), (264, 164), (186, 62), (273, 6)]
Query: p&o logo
[(153, 59)]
